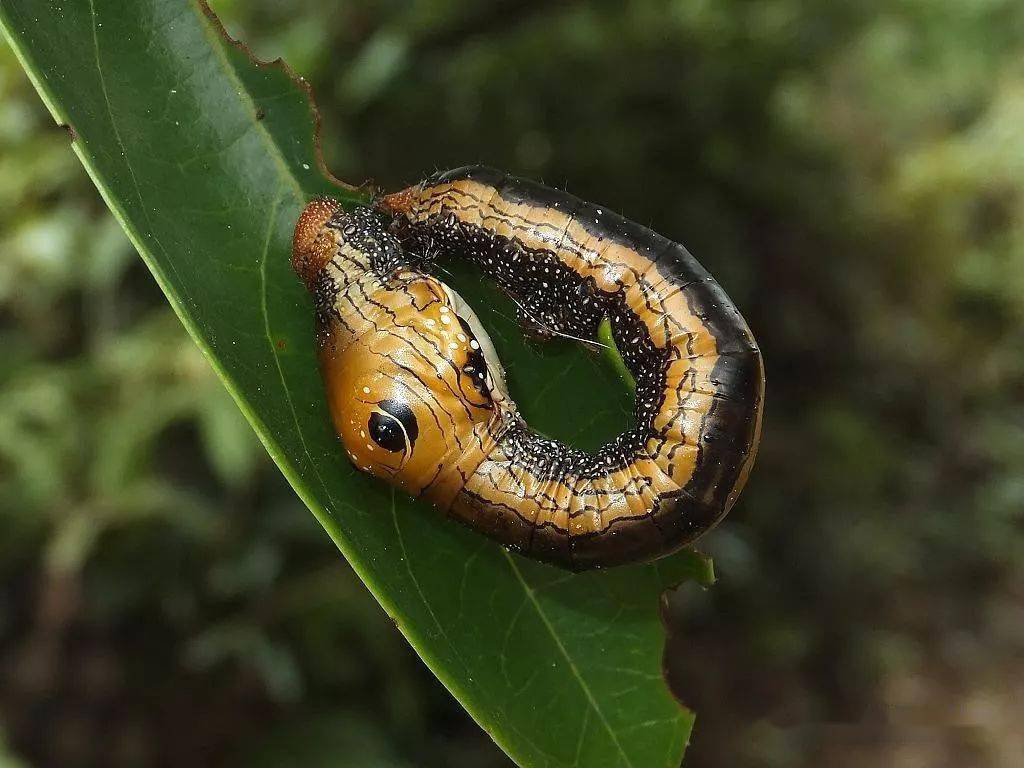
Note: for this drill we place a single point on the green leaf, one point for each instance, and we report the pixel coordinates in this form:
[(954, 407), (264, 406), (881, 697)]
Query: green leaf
[(206, 159)]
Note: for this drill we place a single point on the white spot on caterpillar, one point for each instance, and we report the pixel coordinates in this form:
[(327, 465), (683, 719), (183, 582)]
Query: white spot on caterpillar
[(366, 390)]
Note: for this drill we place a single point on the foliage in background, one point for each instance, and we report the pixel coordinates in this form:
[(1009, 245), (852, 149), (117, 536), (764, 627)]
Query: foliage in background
[(852, 173)]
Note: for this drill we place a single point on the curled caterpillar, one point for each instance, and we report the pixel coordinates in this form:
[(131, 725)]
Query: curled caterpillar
[(418, 395)]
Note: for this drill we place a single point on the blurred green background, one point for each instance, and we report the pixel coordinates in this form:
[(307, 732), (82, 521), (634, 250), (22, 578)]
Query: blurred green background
[(853, 173)]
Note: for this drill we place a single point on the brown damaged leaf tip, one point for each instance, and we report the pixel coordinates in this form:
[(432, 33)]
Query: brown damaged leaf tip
[(310, 251)]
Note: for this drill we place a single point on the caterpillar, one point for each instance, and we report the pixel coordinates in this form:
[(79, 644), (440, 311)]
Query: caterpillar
[(418, 395)]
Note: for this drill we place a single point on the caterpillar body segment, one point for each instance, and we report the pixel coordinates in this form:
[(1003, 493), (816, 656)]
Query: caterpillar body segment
[(418, 395)]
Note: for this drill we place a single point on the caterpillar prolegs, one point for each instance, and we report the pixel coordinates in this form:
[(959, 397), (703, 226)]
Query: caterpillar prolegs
[(418, 396)]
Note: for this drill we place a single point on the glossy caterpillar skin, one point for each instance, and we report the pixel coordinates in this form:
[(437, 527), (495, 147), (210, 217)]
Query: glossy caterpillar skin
[(418, 395)]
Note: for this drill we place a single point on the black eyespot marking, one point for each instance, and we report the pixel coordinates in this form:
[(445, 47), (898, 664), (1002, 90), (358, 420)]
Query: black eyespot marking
[(475, 367), (402, 413), (386, 432)]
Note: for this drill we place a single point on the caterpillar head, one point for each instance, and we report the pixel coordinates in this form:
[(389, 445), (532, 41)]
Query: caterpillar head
[(405, 360), (409, 396)]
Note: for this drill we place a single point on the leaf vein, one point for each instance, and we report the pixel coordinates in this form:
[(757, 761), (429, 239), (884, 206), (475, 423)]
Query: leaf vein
[(565, 653)]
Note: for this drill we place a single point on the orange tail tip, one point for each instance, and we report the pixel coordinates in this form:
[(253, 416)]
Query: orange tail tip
[(398, 202), (310, 252)]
